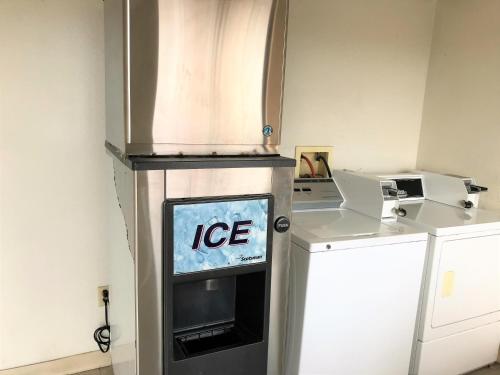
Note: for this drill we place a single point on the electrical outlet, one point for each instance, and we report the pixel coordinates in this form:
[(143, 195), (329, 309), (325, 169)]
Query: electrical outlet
[(100, 289), (302, 168)]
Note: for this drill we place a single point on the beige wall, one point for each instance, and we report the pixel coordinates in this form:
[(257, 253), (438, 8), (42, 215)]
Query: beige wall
[(55, 178), (461, 119), (355, 79)]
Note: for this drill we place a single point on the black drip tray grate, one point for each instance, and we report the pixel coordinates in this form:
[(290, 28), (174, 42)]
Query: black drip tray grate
[(211, 340)]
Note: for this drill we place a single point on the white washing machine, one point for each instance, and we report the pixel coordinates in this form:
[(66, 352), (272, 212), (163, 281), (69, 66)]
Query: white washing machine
[(459, 318), (354, 288)]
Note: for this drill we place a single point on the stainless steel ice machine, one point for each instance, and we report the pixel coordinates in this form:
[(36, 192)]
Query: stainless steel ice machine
[(193, 112)]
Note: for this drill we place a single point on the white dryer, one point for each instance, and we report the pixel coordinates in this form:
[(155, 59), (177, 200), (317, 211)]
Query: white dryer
[(354, 288), (459, 318)]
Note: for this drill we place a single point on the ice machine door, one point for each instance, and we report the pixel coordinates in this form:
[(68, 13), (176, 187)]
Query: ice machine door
[(205, 73)]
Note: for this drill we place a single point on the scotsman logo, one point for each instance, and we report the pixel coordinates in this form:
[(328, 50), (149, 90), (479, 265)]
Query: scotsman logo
[(240, 228), (248, 259)]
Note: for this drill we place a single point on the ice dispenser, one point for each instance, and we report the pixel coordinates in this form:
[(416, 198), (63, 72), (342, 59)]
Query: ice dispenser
[(217, 278)]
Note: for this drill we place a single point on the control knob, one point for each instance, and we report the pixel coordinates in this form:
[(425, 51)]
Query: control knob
[(468, 204), (281, 224)]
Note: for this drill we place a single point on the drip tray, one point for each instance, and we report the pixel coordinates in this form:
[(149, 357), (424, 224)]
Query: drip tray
[(211, 340)]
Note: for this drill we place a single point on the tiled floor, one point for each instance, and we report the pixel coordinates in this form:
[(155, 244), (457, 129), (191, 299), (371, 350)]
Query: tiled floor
[(100, 371), (490, 370)]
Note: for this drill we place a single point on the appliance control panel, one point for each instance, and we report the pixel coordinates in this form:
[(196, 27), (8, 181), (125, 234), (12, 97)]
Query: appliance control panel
[(371, 195), (316, 193), (410, 188), (390, 192), (450, 189)]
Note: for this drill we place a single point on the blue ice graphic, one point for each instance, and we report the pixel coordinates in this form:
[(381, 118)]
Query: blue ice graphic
[(186, 219)]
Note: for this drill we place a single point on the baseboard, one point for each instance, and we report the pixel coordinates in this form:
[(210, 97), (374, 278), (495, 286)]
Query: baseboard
[(63, 366)]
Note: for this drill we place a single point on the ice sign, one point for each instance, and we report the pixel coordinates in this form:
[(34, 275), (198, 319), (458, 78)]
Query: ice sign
[(219, 234)]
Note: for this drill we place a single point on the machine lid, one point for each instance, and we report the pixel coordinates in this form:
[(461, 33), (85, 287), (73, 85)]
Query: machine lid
[(441, 219), (316, 193), (337, 229)]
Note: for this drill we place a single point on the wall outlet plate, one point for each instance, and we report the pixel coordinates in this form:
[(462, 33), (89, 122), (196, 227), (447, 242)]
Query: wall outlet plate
[(311, 151), (100, 289)]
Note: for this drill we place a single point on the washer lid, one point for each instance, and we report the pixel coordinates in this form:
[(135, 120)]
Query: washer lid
[(339, 229), (441, 219)]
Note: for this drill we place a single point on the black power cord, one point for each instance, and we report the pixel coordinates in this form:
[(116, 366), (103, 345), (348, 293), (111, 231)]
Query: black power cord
[(322, 158), (102, 334)]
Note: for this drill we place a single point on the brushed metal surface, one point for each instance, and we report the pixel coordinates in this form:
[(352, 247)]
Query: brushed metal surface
[(198, 76), (282, 181), (115, 67), (215, 182), (274, 85), (141, 196), (150, 197)]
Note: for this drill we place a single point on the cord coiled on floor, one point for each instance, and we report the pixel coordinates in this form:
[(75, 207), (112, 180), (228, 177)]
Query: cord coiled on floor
[(102, 335)]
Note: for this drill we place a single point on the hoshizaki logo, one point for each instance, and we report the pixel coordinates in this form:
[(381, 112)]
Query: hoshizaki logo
[(248, 259), (267, 130)]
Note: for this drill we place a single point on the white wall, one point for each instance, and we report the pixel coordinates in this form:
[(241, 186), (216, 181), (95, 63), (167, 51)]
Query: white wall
[(355, 79), (461, 120), (55, 178)]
